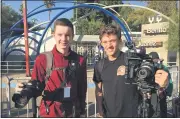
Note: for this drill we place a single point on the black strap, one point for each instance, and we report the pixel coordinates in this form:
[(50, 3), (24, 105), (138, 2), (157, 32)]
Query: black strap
[(100, 66), (50, 67), (62, 84)]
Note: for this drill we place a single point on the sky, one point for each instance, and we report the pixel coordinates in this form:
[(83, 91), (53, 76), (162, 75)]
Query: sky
[(32, 4)]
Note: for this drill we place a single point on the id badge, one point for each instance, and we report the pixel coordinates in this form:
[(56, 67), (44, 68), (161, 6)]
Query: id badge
[(67, 92)]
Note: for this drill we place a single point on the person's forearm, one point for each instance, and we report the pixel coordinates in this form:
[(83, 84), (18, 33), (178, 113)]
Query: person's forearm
[(83, 86), (162, 90), (99, 100)]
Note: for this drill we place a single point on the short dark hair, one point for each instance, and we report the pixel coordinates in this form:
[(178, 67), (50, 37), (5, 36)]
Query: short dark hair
[(110, 29), (64, 22)]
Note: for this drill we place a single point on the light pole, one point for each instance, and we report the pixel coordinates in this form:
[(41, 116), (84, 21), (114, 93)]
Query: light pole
[(26, 37)]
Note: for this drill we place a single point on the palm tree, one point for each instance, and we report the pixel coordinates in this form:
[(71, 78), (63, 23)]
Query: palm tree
[(21, 8), (49, 4)]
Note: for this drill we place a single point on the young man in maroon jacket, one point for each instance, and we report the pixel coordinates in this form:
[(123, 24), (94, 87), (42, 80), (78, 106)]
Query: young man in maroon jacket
[(58, 100)]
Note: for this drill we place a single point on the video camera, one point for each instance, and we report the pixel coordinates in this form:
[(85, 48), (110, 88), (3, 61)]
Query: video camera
[(141, 68)]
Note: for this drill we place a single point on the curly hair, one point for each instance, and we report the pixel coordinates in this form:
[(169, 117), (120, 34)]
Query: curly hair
[(110, 29)]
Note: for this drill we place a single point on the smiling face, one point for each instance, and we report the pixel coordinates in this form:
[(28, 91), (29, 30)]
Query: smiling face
[(110, 42), (63, 36), (110, 37)]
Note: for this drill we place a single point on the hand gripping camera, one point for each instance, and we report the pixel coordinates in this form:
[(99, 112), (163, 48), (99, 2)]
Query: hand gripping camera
[(29, 90), (141, 68)]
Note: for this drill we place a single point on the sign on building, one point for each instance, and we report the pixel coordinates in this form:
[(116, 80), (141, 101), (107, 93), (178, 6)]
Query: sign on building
[(155, 19), (150, 31), (152, 44)]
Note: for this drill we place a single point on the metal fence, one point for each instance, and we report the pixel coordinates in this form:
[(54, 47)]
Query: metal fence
[(8, 109), (175, 75), (20, 66), (15, 66), (86, 49)]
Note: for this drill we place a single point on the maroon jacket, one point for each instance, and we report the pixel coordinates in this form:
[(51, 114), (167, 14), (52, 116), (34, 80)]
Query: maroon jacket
[(78, 83)]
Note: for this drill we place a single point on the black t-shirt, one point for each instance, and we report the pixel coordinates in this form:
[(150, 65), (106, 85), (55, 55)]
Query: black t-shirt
[(120, 99)]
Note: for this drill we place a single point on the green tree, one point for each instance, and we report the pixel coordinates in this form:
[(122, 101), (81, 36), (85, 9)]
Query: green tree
[(49, 4), (95, 20), (165, 7), (31, 22), (21, 8), (105, 18), (9, 17), (85, 27), (170, 9), (173, 33), (137, 17), (125, 13)]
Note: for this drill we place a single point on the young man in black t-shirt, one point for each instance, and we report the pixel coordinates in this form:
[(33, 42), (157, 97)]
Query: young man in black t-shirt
[(119, 99)]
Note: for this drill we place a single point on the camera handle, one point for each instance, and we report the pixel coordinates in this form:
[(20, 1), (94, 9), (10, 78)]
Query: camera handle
[(34, 107)]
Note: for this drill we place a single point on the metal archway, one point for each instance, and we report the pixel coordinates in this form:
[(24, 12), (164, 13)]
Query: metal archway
[(5, 53), (35, 14), (30, 30), (30, 15), (19, 45), (127, 5), (104, 6), (20, 29), (14, 38), (20, 50), (87, 6), (39, 25), (132, 6), (112, 6), (33, 11)]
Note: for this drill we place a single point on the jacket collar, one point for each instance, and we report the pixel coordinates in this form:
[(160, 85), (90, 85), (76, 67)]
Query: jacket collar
[(56, 52)]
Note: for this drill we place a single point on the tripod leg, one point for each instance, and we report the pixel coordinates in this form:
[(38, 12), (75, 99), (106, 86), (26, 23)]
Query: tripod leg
[(139, 110), (147, 110), (34, 107), (145, 106)]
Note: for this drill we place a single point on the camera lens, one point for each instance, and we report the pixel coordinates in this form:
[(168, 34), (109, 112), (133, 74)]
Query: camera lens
[(142, 73), (19, 100)]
